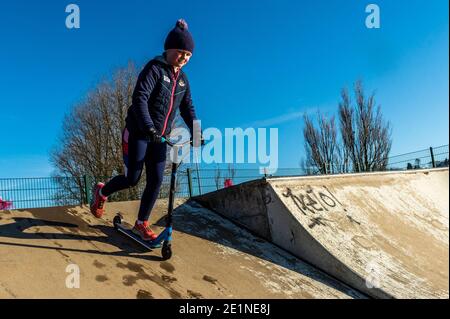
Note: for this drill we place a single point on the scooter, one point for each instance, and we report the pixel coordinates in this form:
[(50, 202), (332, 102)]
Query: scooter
[(164, 239)]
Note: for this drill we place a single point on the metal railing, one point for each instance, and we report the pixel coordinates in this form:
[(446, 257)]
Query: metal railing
[(428, 158), (39, 192), (63, 191), (66, 191)]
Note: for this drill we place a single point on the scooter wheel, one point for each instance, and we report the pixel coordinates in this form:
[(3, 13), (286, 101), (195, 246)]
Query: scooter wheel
[(116, 221), (166, 251)]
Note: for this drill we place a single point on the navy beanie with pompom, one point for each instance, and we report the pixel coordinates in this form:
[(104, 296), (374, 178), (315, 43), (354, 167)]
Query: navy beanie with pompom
[(180, 38)]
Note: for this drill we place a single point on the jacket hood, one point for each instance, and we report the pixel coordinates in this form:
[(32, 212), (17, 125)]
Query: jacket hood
[(161, 59)]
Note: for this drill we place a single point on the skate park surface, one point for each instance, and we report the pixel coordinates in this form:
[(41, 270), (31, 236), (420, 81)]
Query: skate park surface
[(384, 234), (380, 235), (212, 258)]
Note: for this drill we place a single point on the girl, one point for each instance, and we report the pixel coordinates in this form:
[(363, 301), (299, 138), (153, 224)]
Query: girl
[(161, 88)]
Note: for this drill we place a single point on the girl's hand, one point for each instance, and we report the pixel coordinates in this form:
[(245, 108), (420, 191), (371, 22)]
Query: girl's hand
[(153, 136)]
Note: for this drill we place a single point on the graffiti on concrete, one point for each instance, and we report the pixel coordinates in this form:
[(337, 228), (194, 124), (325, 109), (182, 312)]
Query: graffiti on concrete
[(317, 221), (353, 220), (311, 202)]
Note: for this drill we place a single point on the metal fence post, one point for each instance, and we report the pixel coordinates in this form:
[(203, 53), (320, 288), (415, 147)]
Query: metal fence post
[(79, 182), (87, 190), (189, 176), (432, 158), (199, 183)]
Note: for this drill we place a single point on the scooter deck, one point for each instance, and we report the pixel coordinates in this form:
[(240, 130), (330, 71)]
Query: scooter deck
[(129, 233)]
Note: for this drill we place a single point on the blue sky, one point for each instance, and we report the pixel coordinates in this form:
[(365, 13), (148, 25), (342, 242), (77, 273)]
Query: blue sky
[(255, 62)]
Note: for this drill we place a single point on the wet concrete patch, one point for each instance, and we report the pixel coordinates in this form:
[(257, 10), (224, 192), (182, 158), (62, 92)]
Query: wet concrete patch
[(194, 294), (163, 281), (99, 264), (101, 278), (168, 279), (167, 266), (209, 279), (131, 266), (175, 294), (143, 294), (130, 280)]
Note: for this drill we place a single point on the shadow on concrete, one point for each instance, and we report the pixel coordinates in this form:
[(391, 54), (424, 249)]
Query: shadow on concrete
[(71, 231), (213, 227), (208, 226)]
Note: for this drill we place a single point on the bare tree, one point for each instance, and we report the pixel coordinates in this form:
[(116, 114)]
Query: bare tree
[(91, 139), (347, 128), (321, 144), (366, 136), (365, 140), (308, 168)]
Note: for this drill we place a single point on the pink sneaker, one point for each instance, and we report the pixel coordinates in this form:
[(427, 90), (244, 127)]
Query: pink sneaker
[(144, 231), (98, 201)]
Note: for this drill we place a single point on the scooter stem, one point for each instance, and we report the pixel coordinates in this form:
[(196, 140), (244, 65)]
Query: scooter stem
[(173, 179)]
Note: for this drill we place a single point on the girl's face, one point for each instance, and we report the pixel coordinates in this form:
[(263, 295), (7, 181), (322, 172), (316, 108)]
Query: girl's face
[(178, 58)]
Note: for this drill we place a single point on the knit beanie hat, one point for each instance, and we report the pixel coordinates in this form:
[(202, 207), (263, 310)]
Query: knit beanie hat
[(180, 38)]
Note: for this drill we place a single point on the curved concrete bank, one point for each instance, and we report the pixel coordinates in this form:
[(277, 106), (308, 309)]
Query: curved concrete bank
[(384, 234), (42, 250)]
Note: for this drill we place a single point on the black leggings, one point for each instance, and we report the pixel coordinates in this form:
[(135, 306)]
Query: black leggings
[(136, 153)]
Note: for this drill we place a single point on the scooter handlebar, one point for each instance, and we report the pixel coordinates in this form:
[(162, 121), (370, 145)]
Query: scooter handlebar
[(172, 144)]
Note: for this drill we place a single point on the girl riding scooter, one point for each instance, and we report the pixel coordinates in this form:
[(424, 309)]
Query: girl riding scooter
[(161, 88)]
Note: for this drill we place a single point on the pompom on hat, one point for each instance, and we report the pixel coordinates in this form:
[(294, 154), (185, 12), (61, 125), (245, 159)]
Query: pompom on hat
[(180, 38)]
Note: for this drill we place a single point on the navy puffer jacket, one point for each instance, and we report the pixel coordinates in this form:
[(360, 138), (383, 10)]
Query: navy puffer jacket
[(159, 92)]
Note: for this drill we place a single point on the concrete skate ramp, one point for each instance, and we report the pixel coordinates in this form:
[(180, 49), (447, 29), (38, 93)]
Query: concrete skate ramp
[(212, 258), (384, 234)]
